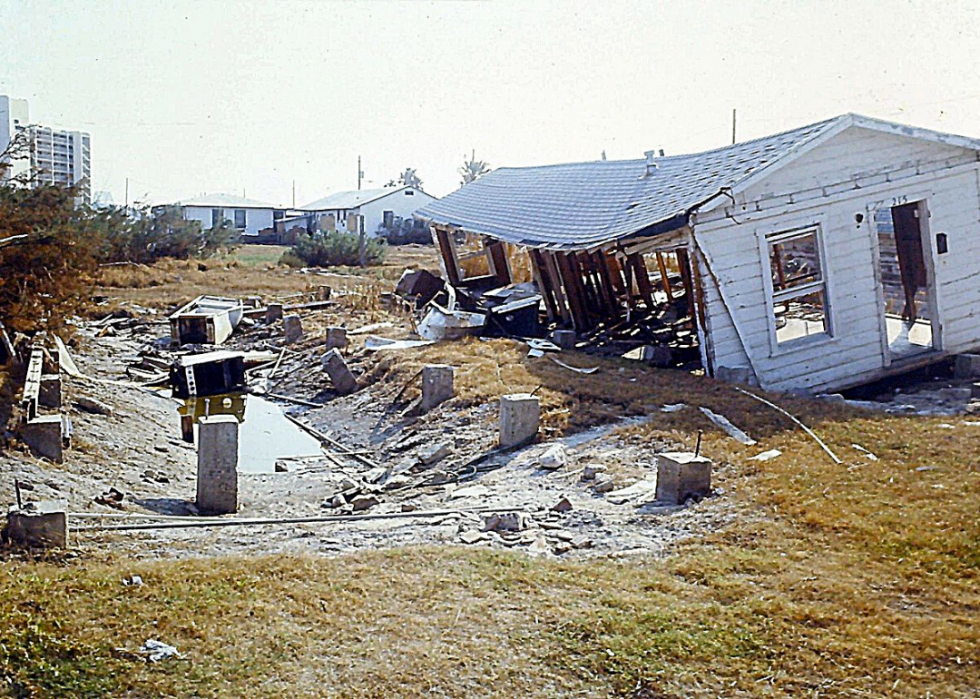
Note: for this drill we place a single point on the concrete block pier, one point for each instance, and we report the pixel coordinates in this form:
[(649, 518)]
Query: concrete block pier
[(217, 464), (520, 414)]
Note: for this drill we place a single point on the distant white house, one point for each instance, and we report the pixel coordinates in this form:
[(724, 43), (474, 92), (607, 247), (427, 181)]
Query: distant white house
[(369, 210), (248, 216)]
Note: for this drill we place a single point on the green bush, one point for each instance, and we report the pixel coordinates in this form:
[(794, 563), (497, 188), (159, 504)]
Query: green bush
[(161, 232), (335, 248)]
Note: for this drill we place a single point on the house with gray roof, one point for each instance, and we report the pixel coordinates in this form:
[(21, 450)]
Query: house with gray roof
[(367, 210), (811, 260), (249, 216)]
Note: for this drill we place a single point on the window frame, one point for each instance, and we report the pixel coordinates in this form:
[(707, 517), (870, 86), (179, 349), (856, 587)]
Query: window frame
[(781, 234), (244, 214)]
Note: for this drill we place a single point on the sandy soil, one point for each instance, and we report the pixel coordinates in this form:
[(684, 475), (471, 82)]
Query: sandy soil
[(138, 451)]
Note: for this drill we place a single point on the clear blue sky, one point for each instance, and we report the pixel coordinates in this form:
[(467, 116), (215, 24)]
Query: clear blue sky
[(192, 97)]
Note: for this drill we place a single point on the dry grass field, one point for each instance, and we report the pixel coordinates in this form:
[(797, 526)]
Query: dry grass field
[(859, 579)]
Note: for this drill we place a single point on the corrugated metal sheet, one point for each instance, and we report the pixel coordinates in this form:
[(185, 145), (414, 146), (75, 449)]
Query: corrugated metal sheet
[(579, 205)]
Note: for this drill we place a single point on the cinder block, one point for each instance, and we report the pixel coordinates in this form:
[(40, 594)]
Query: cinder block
[(437, 385), (956, 394), (292, 328), (273, 312), (738, 374), (50, 394), (520, 414), (657, 355), (681, 475), (217, 464), (565, 339), (967, 366), (336, 338), (340, 374), (45, 436), (41, 525)]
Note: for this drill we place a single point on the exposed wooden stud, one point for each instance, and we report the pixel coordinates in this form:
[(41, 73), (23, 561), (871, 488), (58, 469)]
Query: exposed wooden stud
[(642, 279), (574, 293), (448, 252), (663, 275), (684, 262), (551, 267), (543, 281), (497, 256)]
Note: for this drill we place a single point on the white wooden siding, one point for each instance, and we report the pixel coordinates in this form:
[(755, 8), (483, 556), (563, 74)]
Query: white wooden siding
[(854, 353)]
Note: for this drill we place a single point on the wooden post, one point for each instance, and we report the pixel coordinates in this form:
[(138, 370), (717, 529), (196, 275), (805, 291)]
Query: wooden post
[(448, 252), (642, 279), (573, 291), (544, 283), (551, 267), (663, 275)]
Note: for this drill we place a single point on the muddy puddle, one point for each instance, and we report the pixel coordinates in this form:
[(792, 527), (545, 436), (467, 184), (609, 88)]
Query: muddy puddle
[(265, 434)]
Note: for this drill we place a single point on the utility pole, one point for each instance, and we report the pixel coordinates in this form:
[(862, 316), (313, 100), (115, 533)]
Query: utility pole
[(360, 173), (127, 194), (294, 194), (733, 126)]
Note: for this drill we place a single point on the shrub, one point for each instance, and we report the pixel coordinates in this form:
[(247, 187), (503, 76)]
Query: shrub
[(161, 232), (335, 248)]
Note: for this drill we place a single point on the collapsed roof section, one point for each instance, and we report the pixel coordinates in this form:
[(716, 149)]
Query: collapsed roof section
[(578, 206)]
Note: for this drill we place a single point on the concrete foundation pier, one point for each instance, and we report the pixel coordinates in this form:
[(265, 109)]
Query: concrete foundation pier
[(292, 328), (217, 464), (437, 385), (340, 374), (682, 475), (46, 436), (336, 338), (50, 394), (520, 414), (565, 339), (39, 525), (273, 312)]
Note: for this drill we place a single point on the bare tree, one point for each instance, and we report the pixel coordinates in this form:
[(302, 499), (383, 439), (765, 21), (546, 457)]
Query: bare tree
[(409, 177), (19, 148), (473, 169)]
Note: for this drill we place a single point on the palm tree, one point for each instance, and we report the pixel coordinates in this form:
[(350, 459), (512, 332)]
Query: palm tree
[(473, 169)]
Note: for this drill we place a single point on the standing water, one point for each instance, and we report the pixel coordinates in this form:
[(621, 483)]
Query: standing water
[(265, 434)]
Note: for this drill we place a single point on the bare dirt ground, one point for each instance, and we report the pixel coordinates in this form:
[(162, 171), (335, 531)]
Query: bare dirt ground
[(137, 451)]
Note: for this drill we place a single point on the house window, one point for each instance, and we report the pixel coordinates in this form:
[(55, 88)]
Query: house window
[(389, 219), (240, 219), (217, 217), (799, 305)]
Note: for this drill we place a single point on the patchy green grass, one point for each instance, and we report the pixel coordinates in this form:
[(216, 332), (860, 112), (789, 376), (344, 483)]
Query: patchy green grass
[(858, 579)]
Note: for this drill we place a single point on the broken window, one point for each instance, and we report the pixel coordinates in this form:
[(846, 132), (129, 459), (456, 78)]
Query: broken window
[(240, 218), (799, 295)]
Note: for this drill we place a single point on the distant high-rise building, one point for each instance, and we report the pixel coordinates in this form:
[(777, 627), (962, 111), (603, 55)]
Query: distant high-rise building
[(57, 156), (13, 120)]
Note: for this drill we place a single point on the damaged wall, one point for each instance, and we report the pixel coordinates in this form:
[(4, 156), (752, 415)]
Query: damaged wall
[(739, 288)]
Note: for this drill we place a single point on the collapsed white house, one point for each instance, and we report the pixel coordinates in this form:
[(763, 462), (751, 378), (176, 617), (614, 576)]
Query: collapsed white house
[(815, 260)]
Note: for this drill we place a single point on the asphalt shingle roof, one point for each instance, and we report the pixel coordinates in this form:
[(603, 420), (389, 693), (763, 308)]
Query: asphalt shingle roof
[(579, 205), (222, 200), (351, 199)]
